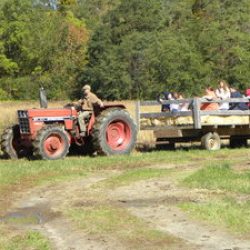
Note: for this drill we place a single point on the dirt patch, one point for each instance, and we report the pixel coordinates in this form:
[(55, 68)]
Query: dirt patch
[(155, 202), (40, 209), (175, 222), (35, 215), (12, 192)]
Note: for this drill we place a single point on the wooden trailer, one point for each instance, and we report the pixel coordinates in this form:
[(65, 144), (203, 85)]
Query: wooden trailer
[(207, 127)]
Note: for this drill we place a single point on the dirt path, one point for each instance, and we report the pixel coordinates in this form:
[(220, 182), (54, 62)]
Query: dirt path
[(155, 202), (43, 206), (151, 200)]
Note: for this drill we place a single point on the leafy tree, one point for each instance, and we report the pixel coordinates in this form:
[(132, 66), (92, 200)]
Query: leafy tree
[(117, 52), (136, 48), (143, 47), (40, 47), (93, 11)]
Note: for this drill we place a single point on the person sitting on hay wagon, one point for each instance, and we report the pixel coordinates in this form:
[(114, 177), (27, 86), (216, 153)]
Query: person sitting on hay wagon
[(164, 96), (237, 105), (210, 96)]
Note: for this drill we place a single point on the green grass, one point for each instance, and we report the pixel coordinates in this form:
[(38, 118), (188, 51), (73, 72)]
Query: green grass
[(12, 172), (133, 175), (221, 210), (15, 171), (105, 219), (29, 240), (224, 213), (220, 176)]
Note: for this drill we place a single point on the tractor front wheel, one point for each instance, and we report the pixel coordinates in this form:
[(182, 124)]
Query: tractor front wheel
[(11, 143), (114, 132), (52, 143)]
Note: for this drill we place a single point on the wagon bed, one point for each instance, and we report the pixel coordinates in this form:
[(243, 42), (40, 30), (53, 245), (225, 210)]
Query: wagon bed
[(196, 125)]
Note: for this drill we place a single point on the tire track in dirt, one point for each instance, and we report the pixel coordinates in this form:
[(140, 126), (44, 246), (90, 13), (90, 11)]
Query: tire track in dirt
[(43, 203), (155, 202)]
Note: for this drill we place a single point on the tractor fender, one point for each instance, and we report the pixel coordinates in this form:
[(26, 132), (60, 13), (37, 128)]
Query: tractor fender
[(98, 111), (108, 106)]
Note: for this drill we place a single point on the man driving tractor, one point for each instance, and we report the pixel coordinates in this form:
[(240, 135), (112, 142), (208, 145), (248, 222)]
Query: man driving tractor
[(49, 133), (87, 104)]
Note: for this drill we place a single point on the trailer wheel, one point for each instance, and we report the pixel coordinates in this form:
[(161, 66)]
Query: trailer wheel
[(236, 142), (52, 143), (11, 143), (211, 141), (114, 132)]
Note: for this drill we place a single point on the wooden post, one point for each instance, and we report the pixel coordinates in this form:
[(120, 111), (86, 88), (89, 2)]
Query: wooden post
[(137, 114), (196, 113)]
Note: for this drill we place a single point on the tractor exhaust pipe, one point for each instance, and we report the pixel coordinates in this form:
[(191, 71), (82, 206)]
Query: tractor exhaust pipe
[(43, 98)]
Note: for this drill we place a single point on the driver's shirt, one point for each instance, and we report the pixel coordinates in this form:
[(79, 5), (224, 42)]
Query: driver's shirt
[(88, 102)]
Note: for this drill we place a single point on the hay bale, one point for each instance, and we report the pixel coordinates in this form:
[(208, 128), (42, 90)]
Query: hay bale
[(188, 120), (225, 120)]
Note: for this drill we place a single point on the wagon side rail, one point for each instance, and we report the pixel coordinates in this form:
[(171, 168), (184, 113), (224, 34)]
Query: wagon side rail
[(194, 111)]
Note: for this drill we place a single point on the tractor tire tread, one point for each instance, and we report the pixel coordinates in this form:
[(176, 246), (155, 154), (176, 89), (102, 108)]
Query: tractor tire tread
[(99, 130), (8, 150), (38, 152)]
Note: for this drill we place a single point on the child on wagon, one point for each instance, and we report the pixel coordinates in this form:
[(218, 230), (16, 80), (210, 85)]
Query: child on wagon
[(210, 96), (223, 92)]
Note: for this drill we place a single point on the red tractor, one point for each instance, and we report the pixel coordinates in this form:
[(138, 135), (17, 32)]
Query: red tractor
[(49, 133)]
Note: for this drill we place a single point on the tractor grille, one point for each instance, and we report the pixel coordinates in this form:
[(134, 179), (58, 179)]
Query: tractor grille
[(23, 121)]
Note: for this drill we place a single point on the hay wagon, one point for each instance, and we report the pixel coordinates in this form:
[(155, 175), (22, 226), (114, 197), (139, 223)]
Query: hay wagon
[(196, 125)]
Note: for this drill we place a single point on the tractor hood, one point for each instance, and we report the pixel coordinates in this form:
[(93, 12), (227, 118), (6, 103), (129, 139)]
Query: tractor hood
[(48, 114), (32, 120)]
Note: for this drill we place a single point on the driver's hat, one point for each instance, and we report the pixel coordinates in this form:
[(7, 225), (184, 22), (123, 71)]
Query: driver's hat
[(85, 87)]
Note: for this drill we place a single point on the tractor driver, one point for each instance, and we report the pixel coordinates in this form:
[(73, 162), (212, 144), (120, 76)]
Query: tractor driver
[(87, 103)]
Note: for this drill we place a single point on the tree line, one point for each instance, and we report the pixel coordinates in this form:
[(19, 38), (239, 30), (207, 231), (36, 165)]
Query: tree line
[(124, 49)]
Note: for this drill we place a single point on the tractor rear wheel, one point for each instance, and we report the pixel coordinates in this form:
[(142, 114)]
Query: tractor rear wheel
[(52, 143), (11, 143), (114, 132)]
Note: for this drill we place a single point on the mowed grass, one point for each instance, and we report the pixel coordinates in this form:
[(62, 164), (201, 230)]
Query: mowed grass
[(17, 172), (232, 208), (222, 177), (225, 213)]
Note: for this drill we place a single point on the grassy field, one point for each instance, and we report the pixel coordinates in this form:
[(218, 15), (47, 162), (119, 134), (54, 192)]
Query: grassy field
[(102, 216)]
